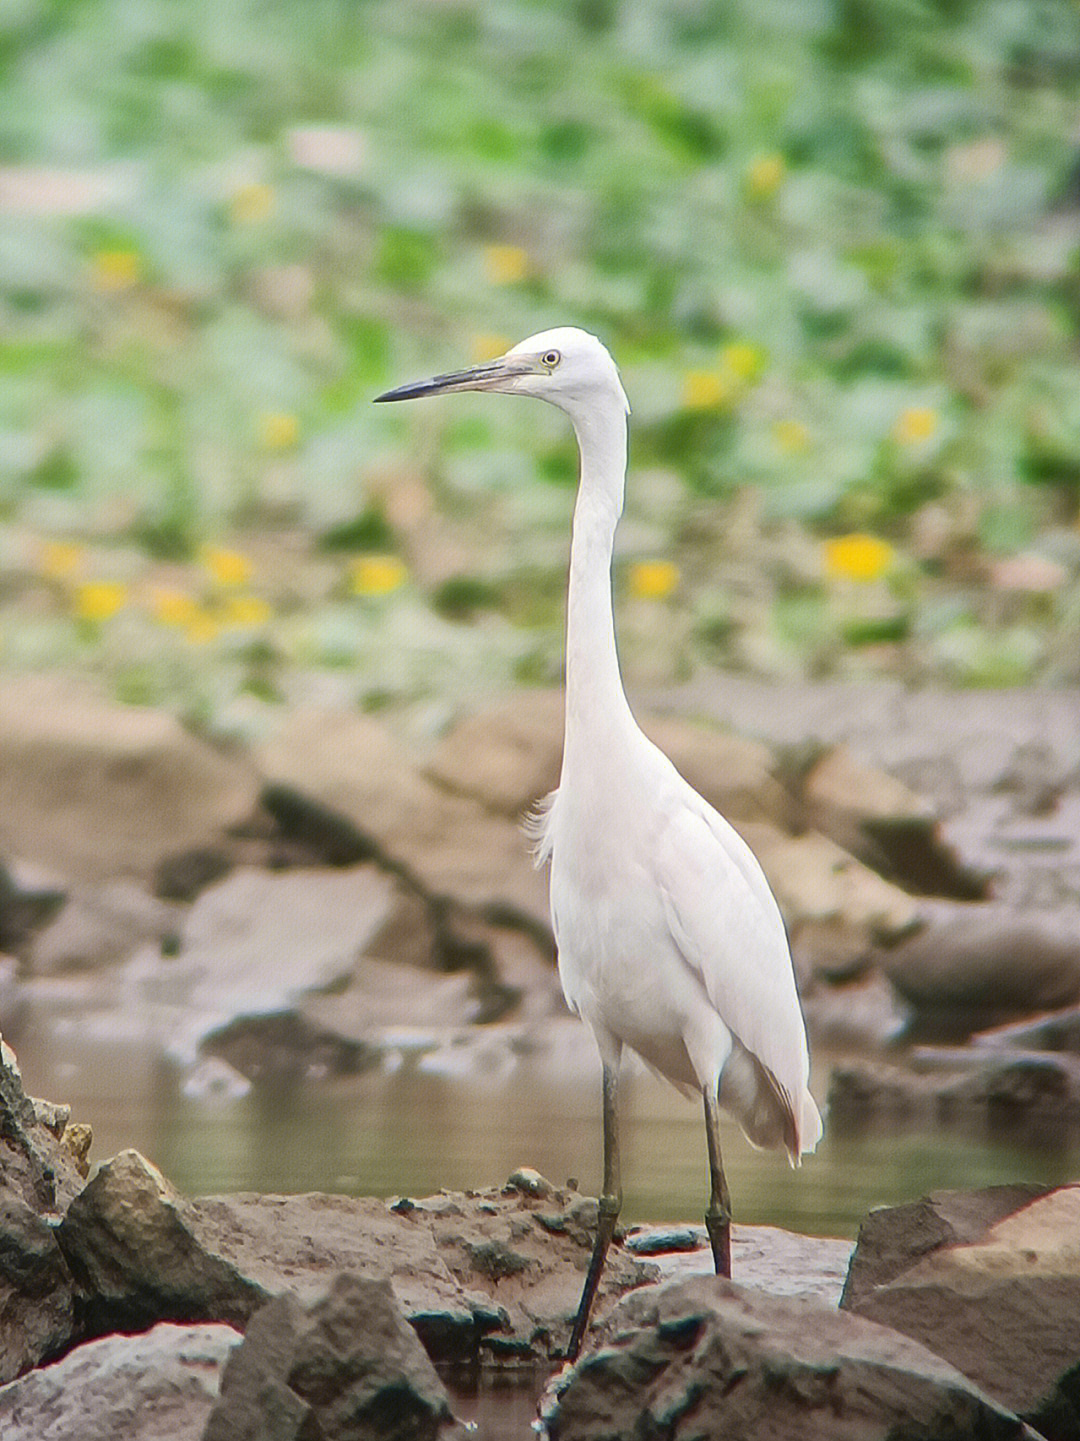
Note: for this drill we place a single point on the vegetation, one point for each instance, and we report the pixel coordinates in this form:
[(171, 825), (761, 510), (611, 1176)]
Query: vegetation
[(834, 244)]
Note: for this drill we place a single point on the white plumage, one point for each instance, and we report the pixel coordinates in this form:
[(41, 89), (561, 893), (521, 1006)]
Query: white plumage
[(669, 938)]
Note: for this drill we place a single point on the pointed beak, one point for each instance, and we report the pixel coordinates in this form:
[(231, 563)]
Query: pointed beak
[(489, 376)]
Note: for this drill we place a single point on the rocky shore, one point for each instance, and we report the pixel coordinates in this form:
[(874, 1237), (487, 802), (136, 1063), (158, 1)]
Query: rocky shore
[(307, 908), (128, 1310), (299, 907)]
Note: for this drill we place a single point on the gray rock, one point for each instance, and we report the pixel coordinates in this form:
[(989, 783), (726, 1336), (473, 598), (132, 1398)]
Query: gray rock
[(98, 790), (156, 1386), (37, 1317), (385, 996), (706, 1358), (977, 965), (519, 739), (256, 943), (99, 925), (24, 908), (1058, 1031), (356, 770), (893, 1238), (42, 1167), (344, 1366), (965, 1086), (37, 1166), (492, 1273), (1003, 1307), (886, 824), (765, 1258)]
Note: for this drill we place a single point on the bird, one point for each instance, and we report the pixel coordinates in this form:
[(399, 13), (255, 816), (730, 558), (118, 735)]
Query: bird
[(669, 939)]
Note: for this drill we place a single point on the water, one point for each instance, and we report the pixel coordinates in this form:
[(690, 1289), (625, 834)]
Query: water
[(410, 1132)]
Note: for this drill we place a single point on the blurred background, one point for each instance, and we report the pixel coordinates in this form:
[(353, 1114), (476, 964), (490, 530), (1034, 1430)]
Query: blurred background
[(833, 244)]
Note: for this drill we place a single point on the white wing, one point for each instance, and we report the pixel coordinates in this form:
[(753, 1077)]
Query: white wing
[(727, 926)]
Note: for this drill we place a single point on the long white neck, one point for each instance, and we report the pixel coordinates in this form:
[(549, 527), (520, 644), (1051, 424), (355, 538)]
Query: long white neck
[(596, 705)]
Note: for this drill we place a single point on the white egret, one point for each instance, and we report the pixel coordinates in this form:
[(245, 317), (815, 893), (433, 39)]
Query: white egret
[(669, 938)]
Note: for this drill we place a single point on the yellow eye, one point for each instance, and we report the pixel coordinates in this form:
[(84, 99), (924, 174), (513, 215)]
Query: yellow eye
[(551, 359)]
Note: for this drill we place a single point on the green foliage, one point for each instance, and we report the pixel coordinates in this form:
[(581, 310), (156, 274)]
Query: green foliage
[(266, 212)]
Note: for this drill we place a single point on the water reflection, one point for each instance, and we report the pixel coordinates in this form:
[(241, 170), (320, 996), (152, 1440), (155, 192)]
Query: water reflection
[(409, 1132)]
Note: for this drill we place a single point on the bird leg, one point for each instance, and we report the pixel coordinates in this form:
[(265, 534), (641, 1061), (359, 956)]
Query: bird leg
[(608, 1210), (718, 1215)]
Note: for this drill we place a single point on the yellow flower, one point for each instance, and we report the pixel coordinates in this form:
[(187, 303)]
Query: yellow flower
[(857, 557), (765, 176), (488, 347), (743, 360), (278, 430), (228, 567), (791, 436), (376, 574), (112, 270), (917, 423), (252, 203), (704, 390), (505, 264), (174, 607), (100, 599), (653, 579), (201, 627), (60, 559), (243, 611)]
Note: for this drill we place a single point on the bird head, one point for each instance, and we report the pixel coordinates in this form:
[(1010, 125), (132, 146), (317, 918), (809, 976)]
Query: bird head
[(566, 367)]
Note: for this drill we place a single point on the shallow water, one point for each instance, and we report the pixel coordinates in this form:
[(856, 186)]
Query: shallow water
[(411, 1132)]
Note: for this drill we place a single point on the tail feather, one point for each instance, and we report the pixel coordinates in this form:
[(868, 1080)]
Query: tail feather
[(764, 1108)]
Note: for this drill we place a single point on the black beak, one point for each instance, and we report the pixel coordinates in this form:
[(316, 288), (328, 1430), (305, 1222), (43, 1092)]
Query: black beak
[(478, 377)]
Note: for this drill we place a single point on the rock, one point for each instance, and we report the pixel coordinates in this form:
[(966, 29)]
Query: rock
[(886, 824), (492, 1273), (344, 1366), (36, 1296), (1058, 1031), (101, 924), (839, 913), (156, 1386), (24, 908), (257, 943), (508, 756), (883, 1093), (766, 1258), (39, 1176), (1002, 1307), (283, 1046), (98, 790), (666, 1241), (893, 1238), (973, 966), (706, 1358), (1036, 1092), (35, 1164), (385, 997), (862, 1015), (356, 772)]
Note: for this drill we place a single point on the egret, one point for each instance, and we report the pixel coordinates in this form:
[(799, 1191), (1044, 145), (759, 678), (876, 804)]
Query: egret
[(669, 940)]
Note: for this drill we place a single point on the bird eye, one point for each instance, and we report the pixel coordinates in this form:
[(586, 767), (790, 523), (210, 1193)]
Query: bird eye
[(551, 359)]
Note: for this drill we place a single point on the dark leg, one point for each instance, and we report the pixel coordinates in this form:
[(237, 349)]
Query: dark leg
[(610, 1205), (718, 1215)]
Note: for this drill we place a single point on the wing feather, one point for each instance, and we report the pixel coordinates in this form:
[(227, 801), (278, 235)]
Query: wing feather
[(725, 921)]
